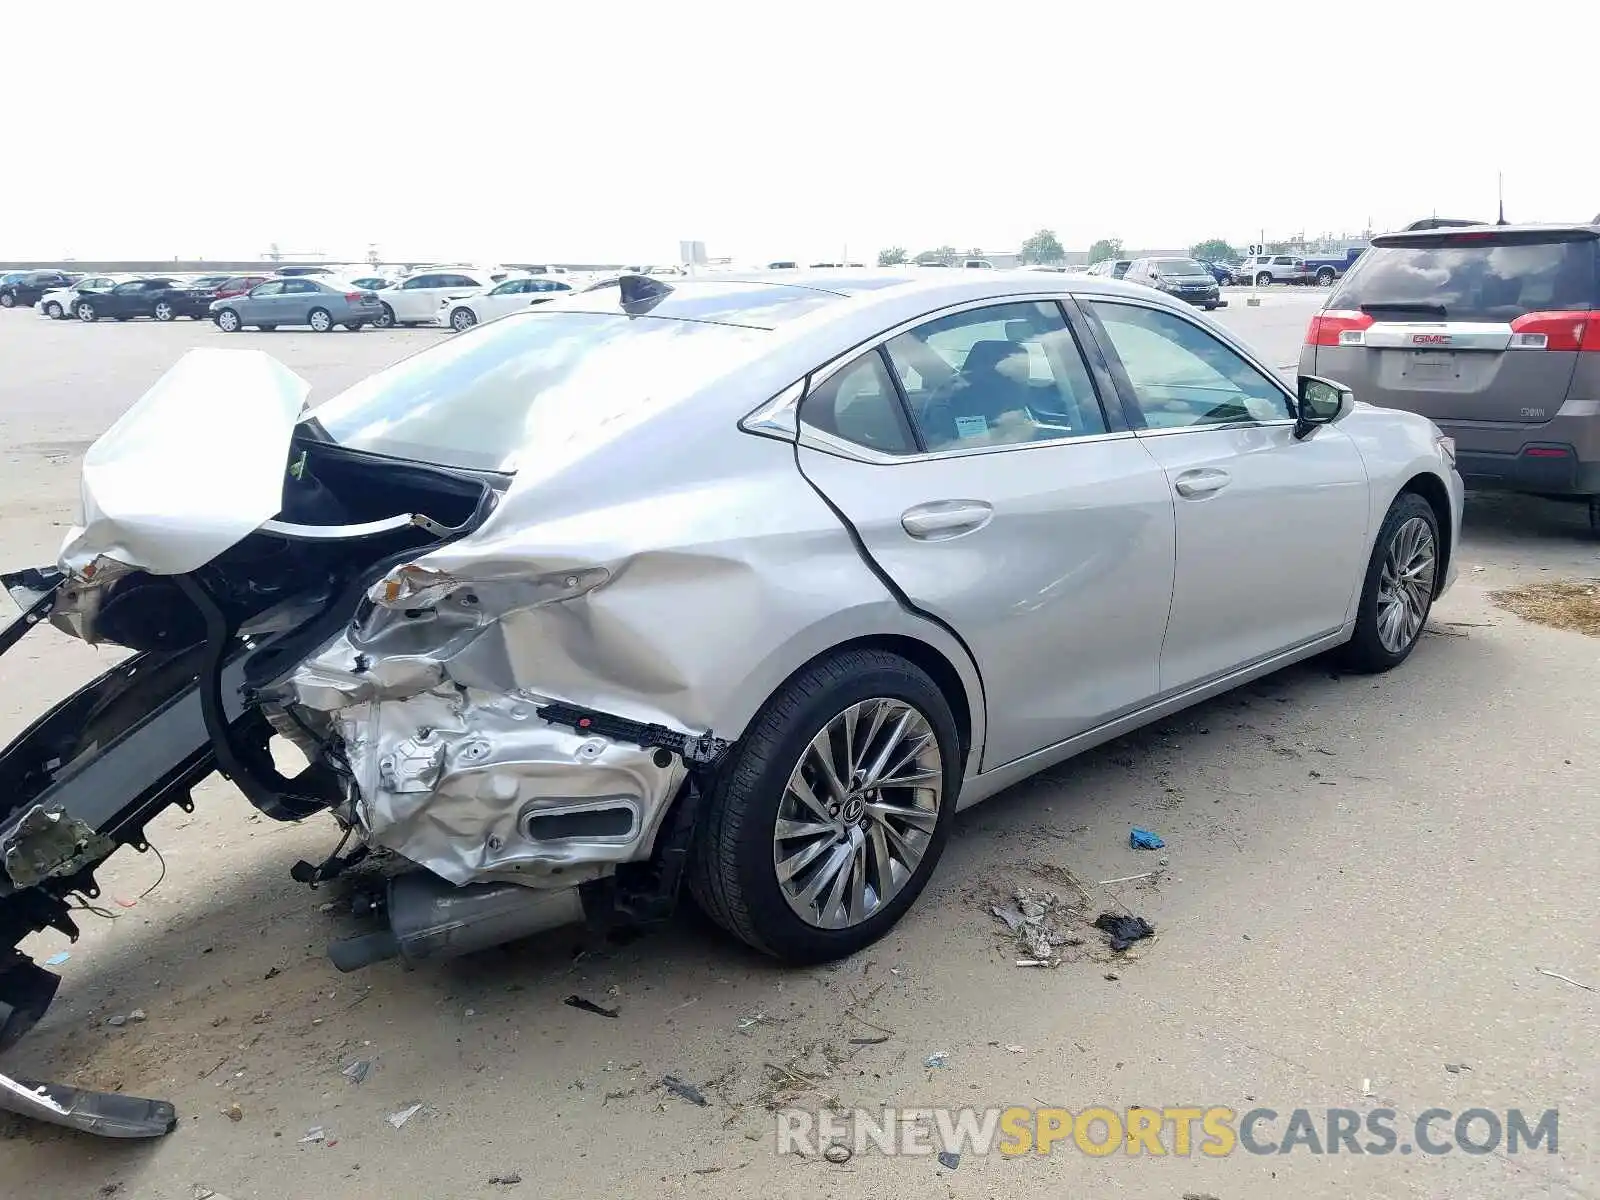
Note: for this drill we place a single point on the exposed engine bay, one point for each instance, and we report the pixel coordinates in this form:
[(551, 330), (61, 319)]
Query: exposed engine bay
[(504, 811)]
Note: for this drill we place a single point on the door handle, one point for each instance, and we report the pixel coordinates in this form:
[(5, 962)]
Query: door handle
[(945, 518), (1202, 482)]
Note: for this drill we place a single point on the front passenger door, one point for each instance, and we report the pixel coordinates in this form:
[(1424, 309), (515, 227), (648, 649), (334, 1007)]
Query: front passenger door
[(1271, 532)]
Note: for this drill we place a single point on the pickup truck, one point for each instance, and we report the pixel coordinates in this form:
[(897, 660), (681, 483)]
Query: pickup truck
[(1324, 269)]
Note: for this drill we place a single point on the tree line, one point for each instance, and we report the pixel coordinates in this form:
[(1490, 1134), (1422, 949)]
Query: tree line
[(1045, 249)]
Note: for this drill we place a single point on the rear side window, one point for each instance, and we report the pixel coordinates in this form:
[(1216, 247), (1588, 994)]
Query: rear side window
[(1475, 277), (859, 404)]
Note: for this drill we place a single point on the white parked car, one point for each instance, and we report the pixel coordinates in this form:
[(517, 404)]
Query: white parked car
[(416, 299), (513, 295), (62, 303)]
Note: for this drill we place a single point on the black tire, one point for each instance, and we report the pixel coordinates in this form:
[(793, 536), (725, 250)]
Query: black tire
[(8, 300), (320, 320), (164, 311), (355, 326), (1264, 279), (1325, 277), (462, 319), (53, 311), (385, 319), (86, 312), (1365, 652), (1210, 308), (266, 328), (227, 320), (732, 875)]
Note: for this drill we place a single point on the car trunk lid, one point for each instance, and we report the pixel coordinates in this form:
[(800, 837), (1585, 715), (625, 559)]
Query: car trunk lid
[(1477, 326)]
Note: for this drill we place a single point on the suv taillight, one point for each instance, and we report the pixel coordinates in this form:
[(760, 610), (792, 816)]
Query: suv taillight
[(1568, 331), (1338, 327)]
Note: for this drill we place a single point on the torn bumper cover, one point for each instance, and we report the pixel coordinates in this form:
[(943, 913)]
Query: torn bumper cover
[(481, 785), (105, 1114)]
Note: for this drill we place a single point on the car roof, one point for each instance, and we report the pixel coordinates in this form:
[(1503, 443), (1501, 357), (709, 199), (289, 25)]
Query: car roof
[(766, 300), (1486, 231)]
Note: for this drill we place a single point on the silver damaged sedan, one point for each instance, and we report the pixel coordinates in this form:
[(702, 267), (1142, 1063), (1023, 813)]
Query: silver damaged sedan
[(740, 584)]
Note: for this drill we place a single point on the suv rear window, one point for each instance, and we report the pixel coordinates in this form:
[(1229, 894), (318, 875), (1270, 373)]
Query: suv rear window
[(1476, 276)]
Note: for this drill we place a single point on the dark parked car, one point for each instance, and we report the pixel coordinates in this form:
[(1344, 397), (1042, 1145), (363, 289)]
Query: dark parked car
[(1111, 268), (22, 289), (161, 297), (1182, 278), (1220, 271)]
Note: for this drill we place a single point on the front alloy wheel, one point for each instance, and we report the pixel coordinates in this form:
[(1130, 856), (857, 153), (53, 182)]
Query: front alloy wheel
[(858, 814), (1405, 585), (463, 319), (164, 311)]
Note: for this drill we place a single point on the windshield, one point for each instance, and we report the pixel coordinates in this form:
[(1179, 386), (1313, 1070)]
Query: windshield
[(1179, 266), (1475, 277), (532, 380)]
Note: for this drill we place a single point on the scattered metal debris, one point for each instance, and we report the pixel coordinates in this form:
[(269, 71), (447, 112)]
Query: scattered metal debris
[(398, 1119), (949, 1159), (318, 1134), (1123, 929), (117, 1022), (510, 1179), (837, 1153), (941, 1059), (686, 1091), (358, 1071), (137, 1015), (871, 1041), (1456, 1068), (1041, 921), (1010, 1048), (1144, 839), (587, 1006), (106, 1114), (56, 959), (234, 1113), (272, 973), (1564, 979)]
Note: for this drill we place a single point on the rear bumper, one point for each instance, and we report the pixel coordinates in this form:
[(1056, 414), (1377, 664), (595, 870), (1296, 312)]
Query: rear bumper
[(1548, 468)]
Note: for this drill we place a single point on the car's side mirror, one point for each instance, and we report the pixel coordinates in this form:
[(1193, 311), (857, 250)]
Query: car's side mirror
[(1322, 402)]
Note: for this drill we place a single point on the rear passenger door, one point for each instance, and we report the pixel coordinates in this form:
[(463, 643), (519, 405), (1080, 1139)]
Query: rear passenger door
[(1271, 532), (973, 457), (298, 298)]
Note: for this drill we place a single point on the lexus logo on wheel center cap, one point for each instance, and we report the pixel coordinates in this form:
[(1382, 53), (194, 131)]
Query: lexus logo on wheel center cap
[(854, 809)]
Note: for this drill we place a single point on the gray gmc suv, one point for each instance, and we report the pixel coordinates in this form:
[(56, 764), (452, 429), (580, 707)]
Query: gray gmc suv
[(1493, 331)]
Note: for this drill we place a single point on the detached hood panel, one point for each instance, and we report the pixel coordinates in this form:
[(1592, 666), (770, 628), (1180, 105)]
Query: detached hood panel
[(193, 467)]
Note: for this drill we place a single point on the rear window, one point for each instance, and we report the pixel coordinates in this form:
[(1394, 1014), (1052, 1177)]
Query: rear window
[(530, 383), (1475, 277)]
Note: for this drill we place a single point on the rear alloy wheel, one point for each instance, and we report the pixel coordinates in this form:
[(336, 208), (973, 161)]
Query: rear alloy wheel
[(832, 811), (1325, 277), (1264, 279), (86, 311), (164, 311), (320, 320), (385, 319), (228, 320), (8, 300), (1397, 595), (463, 319), (53, 311)]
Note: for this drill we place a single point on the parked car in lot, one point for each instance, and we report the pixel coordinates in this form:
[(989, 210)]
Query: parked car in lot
[(314, 301), (1493, 332), (25, 289), (517, 643), (1184, 278), (1220, 271), (295, 272), (1325, 269), (237, 285), (161, 297), (1110, 268), (511, 296), (1263, 270), (415, 300), (61, 303)]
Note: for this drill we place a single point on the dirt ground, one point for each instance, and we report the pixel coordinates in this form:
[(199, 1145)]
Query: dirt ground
[(1363, 879)]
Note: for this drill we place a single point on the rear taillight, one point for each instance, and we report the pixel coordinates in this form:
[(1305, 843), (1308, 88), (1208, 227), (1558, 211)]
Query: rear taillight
[(1568, 331), (1338, 327), (352, 297)]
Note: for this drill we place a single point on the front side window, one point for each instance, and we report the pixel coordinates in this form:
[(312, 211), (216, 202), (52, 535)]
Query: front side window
[(511, 287), (299, 286), (271, 288), (1182, 375), (1002, 375), (858, 403), (127, 289)]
